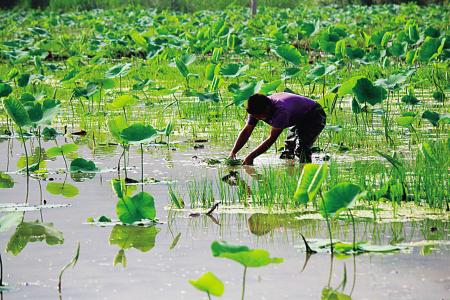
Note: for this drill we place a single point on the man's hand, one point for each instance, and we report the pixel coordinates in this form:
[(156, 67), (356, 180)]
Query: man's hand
[(232, 155), (248, 160)]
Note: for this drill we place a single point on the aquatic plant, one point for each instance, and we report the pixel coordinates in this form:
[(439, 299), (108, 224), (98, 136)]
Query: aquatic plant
[(209, 284), (72, 264), (249, 258)]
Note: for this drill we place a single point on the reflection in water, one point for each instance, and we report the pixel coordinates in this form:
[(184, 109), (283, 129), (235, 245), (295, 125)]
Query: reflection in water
[(29, 232), (286, 229), (138, 237)]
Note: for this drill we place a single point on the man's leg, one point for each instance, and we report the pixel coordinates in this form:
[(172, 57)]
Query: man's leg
[(308, 133), (290, 144)]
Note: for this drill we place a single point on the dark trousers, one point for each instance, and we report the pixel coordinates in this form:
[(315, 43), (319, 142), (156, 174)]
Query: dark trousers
[(302, 136)]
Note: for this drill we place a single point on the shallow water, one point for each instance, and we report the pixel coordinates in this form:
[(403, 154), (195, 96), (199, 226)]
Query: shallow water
[(418, 272)]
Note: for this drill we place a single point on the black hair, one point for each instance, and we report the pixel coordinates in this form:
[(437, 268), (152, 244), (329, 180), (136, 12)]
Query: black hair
[(258, 104)]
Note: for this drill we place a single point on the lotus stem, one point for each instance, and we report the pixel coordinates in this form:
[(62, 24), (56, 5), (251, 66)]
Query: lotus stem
[(1, 270), (142, 166), (354, 229), (243, 283), (26, 152)]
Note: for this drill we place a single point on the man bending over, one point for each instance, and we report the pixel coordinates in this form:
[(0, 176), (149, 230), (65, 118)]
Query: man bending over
[(304, 117)]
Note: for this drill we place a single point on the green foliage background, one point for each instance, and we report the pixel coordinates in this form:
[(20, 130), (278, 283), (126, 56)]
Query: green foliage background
[(189, 5)]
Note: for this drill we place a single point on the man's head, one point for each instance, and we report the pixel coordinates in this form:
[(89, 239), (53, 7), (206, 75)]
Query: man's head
[(259, 106)]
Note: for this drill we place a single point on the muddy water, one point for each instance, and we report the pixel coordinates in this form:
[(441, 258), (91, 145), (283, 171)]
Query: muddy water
[(160, 268)]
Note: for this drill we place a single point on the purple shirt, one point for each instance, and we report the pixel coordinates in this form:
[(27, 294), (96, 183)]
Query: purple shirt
[(289, 110)]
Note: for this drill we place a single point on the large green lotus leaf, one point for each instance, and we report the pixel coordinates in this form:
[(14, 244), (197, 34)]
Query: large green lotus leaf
[(16, 111), (50, 108), (246, 91), (27, 97), (82, 165), (355, 53), (6, 181), (289, 53), (330, 294), (316, 72), (233, 70), (28, 232), (23, 80), (138, 133), (405, 121), (107, 83), (268, 88), (327, 41), (347, 86), (35, 161), (65, 189), (365, 91), (429, 49), (119, 70), (132, 209), (5, 89), (35, 112), (116, 126), (339, 197), (247, 257), (311, 179), (431, 116), (138, 237), (122, 101), (68, 148), (53, 152), (290, 73), (10, 220), (397, 49), (410, 99), (209, 283), (393, 82)]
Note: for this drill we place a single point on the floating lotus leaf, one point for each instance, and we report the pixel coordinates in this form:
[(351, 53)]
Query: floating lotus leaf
[(247, 257), (82, 165), (64, 189)]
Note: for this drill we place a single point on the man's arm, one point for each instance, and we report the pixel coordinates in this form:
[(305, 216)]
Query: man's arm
[(242, 139), (264, 146)]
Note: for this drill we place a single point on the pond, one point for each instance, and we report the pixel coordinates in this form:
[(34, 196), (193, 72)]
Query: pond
[(118, 261)]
